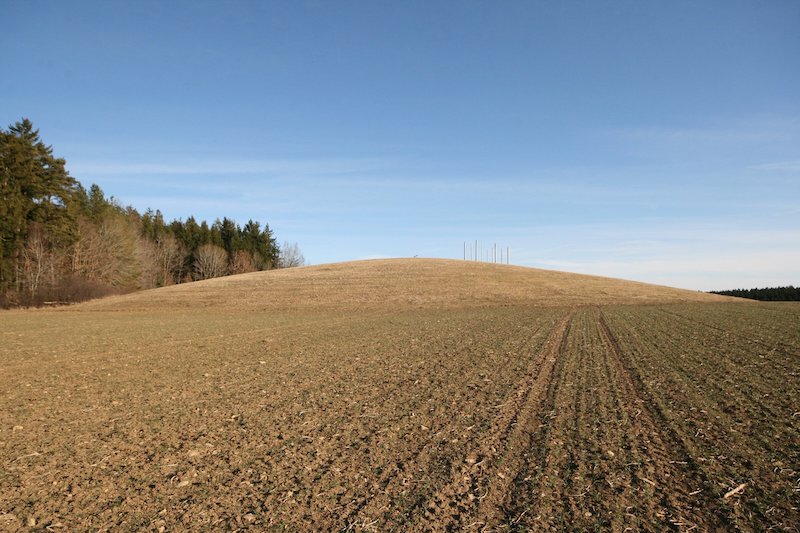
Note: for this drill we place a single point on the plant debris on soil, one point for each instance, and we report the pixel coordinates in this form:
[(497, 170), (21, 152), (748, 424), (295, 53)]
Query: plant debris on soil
[(408, 395)]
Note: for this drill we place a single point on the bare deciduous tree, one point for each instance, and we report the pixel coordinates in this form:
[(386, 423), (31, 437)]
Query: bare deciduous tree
[(210, 261), (291, 256), (169, 256), (39, 263), (146, 256), (242, 262), (108, 253)]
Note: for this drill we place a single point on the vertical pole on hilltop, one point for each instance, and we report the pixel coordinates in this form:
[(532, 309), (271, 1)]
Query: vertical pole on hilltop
[(476, 249), (465, 250)]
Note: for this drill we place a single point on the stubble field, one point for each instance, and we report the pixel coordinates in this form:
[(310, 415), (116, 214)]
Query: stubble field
[(408, 395)]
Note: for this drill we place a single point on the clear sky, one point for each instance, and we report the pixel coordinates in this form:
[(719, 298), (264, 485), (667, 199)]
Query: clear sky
[(656, 141)]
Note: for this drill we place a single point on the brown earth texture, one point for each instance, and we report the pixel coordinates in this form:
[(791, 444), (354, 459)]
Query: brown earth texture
[(410, 395)]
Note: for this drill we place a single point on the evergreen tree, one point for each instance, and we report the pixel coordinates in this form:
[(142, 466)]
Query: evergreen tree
[(250, 234), (229, 234), (35, 188), (268, 249), (98, 205)]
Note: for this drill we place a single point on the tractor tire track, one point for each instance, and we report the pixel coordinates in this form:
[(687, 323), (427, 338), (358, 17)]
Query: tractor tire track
[(420, 456), (672, 466), (479, 488)]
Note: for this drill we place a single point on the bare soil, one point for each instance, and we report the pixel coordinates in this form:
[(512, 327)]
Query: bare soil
[(402, 395)]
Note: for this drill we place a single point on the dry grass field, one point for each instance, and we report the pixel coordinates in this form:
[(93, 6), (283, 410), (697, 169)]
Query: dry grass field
[(402, 395)]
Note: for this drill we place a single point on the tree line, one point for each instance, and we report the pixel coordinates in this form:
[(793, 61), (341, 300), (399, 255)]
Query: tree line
[(60, 242), (768, 294)]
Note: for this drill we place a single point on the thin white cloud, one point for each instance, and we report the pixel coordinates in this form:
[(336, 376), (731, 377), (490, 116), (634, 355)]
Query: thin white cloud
[(779, 166), (748, 130), (692, 135), (225, 167)]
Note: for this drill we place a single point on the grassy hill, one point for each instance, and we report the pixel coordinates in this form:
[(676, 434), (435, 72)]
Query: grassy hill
[(403, 283)]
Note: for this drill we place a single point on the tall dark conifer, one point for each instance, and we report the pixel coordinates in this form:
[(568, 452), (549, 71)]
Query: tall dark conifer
[(35, 189)]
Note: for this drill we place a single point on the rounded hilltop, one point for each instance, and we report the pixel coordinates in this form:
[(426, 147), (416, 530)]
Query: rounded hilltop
[(398, 283)]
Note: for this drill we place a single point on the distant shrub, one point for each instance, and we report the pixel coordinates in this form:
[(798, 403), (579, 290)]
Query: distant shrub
[(67, 291)]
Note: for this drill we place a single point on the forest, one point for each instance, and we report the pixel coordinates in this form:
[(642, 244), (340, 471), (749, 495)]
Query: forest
[(61, 243), (768, 294)]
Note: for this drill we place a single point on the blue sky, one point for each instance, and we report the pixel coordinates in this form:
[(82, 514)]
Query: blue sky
[(656, 141)]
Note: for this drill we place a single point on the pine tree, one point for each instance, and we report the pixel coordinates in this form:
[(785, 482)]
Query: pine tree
[(229, 233), (35, 189)]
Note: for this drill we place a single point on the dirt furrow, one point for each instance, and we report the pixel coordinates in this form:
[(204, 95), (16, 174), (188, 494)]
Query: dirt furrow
[(736, 392), (383, 458), (535, 486), (673, 471), (516, 477), (727, 446), (481, 484), (601, 461), (746, 328), (378, 446), (790, 354), (434, 454)]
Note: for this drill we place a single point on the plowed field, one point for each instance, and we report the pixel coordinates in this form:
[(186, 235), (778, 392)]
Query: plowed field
[(416, 410)]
